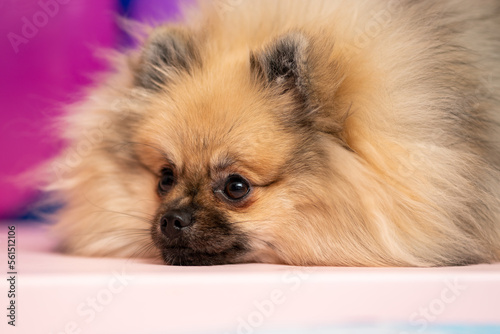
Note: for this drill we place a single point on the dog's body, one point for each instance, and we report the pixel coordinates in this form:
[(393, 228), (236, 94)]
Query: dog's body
[(360, 133)]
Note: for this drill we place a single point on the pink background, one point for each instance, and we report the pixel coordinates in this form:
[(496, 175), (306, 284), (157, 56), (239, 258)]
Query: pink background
[(46, 72)]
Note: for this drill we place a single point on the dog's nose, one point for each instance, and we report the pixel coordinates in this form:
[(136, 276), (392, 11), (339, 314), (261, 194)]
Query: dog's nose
[(173, 222)]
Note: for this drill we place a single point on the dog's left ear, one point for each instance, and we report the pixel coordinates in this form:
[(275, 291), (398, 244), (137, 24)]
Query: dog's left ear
[(283, 64), (168, 51)]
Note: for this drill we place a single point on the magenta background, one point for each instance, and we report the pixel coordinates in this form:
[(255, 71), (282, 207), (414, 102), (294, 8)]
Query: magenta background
[(48, 72)]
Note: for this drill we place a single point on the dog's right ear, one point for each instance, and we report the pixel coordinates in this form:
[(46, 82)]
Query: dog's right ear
[(168, 51), (283, 63)]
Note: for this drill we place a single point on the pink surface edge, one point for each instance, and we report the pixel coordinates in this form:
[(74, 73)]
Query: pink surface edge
[(58, 293)]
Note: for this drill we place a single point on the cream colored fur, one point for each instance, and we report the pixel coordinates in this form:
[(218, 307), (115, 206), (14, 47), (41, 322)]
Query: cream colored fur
[(410, 87)]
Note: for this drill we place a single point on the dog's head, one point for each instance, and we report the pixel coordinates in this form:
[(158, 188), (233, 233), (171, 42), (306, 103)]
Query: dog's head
[(233, 148), (224, 158)]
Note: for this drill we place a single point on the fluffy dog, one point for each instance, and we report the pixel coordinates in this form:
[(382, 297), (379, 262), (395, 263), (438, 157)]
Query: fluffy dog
[(339, 133)]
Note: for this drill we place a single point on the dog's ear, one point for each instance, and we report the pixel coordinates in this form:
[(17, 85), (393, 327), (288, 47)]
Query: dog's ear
[(168, 51), (283, 64)]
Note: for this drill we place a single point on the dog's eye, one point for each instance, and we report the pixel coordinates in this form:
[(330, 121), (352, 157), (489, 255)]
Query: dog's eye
[(236, 187), (166, 181)]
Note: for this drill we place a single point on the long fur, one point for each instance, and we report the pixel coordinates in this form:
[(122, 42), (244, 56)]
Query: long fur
[(382, 150)]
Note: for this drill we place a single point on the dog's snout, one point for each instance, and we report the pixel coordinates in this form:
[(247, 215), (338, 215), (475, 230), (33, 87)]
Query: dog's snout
[(174, 222)]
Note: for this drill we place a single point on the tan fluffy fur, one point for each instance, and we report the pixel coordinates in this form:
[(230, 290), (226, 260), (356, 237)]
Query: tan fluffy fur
[(406, 123)]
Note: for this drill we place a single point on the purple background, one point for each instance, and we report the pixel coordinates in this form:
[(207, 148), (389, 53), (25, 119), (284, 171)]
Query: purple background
[(48, 69)]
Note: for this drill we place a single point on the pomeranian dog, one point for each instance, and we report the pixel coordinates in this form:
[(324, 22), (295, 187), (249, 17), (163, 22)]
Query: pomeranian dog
[(337, 133)]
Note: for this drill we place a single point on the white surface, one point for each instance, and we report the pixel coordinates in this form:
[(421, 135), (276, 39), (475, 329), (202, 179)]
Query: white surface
[(64, 294)]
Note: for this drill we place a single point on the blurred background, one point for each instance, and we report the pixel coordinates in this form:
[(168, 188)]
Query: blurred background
[(47, 56)]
